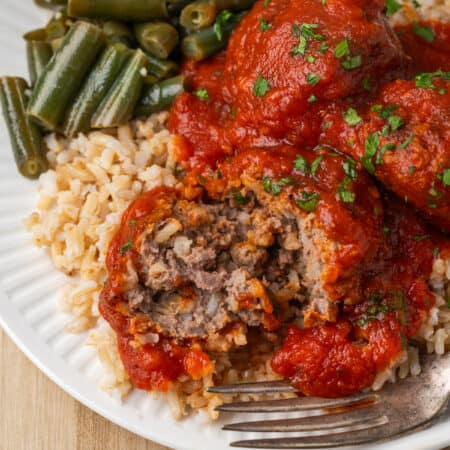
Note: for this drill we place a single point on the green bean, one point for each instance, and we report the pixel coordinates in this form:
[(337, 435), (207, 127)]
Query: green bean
[(133, 10), (150, 80), (117, 107), (118, 32), (199, 14), (106, 70), (39, 54), (51, 4), (206, 42), (36, 35), (160, 96), (234, 5), (157, 38), (64, 74), (161, 68), (56, 44), (57, 27), (25, 136)]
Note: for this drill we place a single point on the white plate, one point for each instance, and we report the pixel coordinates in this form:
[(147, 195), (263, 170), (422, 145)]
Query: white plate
[(29, 312)]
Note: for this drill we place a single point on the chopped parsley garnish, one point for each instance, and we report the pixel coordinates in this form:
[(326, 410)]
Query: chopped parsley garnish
[(312, 98), (411, 169), (349, 167), (310, 58), (406, 142), (323, 47), (307, 30), (239, 198), (264, 25), (275, 187), (326, 125), (219, 174), (446, 177), (222, 18), (342, 49), (425, 80), (300, 49), (316, 164), (392, 6), (312, 79), (202, 179), (352, 117), (386, 112), (202, 94), (261, 86), (266, 3), (301, 164), (423, 31), (371, 147), (436, 252), (309, 201), (352, 62), (127, 246), (421, 237), (345, 194), (376, 210), (395, 122), (385, 130), (304, 32), (366, 84)]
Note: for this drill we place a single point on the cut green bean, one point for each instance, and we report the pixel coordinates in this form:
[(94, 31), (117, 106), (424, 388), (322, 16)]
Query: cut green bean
[(157, 38), (57, 27), (117, 107), (64, 74), (56, 44), (160, 96), (51, 4), (39, 54), (206, 42), (102, 77), (199, 14), (150, 80), (133, 10), (25, 136), (161, 68), (118, 32), (36, 35)]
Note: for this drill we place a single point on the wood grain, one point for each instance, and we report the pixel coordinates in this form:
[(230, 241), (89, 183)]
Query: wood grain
[(35, 414)]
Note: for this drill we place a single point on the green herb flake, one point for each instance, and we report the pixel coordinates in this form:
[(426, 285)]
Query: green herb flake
[(352, 117), (345, 194), (416, 4), (312, 79), (386, 230), (309, 201), (222, 18), (310, 58), (312, 98), (349, 167), (395, 122), (406, 142), (264, 25), (307, 30), (446, 177), (411, 169), (202, 94), (326, 125), (386, 112), (436, 252), (323, 48), (392, 6), (421, 237), (301, 164), (239, 198), (376, 210), (261, 86), (219, 174), (127, 246), (366, 84), (424, 32), (342, 49), (316, 164), (352, 62), (385, 130), (300, 49), (371, 147), (266, 3)]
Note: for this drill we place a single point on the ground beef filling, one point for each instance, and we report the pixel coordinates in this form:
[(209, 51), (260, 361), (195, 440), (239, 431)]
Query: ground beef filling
[(213, 265)]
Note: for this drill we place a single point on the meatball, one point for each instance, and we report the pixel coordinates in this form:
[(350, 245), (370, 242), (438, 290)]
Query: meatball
[(273, 239), (288, 57), (403, 138)]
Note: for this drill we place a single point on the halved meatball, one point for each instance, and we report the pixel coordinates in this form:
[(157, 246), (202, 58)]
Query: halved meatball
[(258, 250)]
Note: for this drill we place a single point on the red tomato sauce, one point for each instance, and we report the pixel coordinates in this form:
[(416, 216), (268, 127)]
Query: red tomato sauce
[(427, 56)]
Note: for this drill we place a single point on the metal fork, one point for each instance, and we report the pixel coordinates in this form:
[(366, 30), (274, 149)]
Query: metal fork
[(400, 408)]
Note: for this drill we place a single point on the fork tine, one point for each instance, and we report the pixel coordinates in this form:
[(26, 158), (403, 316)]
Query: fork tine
[(261, 387), (314, 423), (344, 437), (324, 405)]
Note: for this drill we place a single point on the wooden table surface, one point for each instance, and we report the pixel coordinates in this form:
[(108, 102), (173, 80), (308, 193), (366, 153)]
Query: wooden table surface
[(35, 414)]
